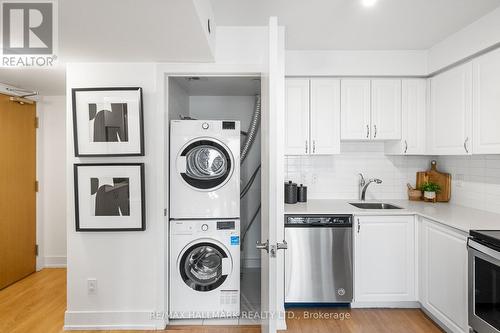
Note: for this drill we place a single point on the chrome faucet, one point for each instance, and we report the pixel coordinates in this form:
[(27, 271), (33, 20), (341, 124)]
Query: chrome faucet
[(363, 185)]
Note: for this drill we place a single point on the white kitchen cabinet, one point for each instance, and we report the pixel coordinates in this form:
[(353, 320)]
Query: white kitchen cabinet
[(386, 109), (355, 109), (443, 274), (325, 116), (297, 116), (384, 255), (371, 109), (486, 103), (450, 113), (413, 113), (312, 117)]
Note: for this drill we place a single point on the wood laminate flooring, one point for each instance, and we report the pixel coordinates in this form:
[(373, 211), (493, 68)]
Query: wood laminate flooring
[(37, 303)]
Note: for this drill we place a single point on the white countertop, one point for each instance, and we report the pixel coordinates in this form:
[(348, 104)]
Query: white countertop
[(458, 217)]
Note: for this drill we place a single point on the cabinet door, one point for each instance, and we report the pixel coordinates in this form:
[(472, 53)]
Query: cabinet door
[(413, 102), (355, 109), (384, 259), (386, 109), (297, 117), (325, 116), (450, 118), (486, 105), (443, 274)]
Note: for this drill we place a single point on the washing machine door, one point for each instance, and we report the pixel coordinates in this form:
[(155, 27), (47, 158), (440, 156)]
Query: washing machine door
[(205, 164), (204, 266)]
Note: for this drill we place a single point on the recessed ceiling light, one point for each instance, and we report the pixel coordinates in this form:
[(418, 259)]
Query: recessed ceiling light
[(368, 3)]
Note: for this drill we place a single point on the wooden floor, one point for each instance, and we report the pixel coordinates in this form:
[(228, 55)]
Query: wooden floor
[(37, 304)]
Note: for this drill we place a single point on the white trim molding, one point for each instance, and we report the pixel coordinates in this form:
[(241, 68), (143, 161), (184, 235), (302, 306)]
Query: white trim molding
[(112, 320), (54, 262)]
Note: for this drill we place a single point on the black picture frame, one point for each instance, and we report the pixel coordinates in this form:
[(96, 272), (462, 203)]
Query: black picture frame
[(74, 92), (78, 227)]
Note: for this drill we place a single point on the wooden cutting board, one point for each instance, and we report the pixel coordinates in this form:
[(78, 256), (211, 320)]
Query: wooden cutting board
[(440, 178)]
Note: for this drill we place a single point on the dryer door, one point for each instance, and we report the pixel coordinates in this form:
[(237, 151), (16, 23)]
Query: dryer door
[(205, 164), (204, 266)]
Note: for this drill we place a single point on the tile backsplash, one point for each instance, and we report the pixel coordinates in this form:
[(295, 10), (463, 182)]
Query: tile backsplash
[(336, 176), (475, 180)]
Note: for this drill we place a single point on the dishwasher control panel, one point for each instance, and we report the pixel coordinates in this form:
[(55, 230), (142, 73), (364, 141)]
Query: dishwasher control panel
[(318, 220)]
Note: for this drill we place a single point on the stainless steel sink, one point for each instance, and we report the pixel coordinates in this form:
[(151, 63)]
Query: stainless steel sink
[(374, 205)]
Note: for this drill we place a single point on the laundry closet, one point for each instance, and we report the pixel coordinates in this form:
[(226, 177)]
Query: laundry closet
[(215, 198)]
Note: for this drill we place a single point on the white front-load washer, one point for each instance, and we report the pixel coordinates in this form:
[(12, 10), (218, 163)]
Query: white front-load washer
[(204, 169), (204, 269)]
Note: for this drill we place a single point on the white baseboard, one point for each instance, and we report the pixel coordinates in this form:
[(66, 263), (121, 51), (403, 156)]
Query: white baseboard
[(400, 305), (251, 262), (54, 262), (112, 320)]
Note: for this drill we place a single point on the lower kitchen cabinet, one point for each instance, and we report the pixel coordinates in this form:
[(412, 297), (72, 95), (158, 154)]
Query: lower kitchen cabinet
[(443, 274), (384, 255)]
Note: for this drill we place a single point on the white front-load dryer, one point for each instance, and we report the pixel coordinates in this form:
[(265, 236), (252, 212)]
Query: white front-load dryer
[(204, 169), (204, 269)]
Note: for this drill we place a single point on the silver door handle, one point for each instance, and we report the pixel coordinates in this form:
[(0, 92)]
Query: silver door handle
[(263, 246), (306, 146), (314, 146), (367, 131), (282, 246), (465, 145), (406, 146), (359, 226), (375, 134)]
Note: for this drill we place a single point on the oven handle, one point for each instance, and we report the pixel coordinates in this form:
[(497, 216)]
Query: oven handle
[(484, 249)]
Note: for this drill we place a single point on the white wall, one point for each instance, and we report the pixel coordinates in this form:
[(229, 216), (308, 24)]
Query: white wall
[(475, 180), (129, 266), (364, 63), (238, 108), (51, 175), (336, 176)]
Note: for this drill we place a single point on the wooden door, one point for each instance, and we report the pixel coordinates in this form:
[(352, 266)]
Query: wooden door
[(386, 109), (17, 190), (297, 117), (325, 116), (355, 109)]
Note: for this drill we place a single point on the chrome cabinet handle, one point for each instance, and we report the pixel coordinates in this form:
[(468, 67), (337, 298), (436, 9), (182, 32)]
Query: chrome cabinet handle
[(359, 226), (367, 131), (314, 146), (306, 146), (375, 134), (465, 145), (282, 246), (406, 146)]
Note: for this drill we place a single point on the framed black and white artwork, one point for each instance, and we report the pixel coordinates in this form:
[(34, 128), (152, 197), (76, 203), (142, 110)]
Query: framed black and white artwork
[(109, 197), (108, 122)]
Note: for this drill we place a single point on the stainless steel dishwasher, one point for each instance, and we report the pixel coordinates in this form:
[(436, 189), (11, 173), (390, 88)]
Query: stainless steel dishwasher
[(318, 262)]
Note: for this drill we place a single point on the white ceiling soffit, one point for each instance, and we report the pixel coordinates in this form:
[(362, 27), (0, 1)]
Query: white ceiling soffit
[(347, 25), (135, 31)]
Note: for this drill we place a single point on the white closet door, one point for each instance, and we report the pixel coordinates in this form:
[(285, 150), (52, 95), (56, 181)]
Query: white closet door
[(297, 117), (386, 109), (355, 109)]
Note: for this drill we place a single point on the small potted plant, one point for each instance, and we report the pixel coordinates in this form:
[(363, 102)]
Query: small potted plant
[(430, 190)]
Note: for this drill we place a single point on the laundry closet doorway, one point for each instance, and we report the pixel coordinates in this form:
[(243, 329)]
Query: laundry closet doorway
[(17, 190)]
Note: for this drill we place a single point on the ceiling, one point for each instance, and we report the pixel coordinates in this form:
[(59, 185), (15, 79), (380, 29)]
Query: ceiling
[(347, 25), (219, 86)]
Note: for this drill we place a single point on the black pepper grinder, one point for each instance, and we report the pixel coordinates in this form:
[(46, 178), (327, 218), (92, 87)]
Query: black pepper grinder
[(290, 193), (302, 193)]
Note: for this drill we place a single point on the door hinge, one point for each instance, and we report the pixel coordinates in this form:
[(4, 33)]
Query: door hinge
[(36, 249), (37, 122), (36, 186), (165, 212)]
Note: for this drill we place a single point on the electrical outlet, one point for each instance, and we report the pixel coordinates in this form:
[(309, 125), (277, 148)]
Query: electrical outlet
[(92, 286)]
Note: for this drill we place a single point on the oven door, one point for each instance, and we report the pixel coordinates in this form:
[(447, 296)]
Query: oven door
[(484, 288)]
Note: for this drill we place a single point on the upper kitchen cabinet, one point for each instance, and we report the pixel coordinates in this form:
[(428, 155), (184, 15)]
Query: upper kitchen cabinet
[(486, 103), (450, 114), (297, 116), (386, 109), (371, 109), (312, 117), (355, 109), (413, 112)]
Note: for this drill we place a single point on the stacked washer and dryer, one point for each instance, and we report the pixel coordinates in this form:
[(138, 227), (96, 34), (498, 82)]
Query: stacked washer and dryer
[(205, 219)]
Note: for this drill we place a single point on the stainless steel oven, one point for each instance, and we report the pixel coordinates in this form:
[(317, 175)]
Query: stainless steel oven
[(484, 281)]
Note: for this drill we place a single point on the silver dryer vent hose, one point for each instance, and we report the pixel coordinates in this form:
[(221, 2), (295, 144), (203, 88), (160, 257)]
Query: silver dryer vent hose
[(252, 130)]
